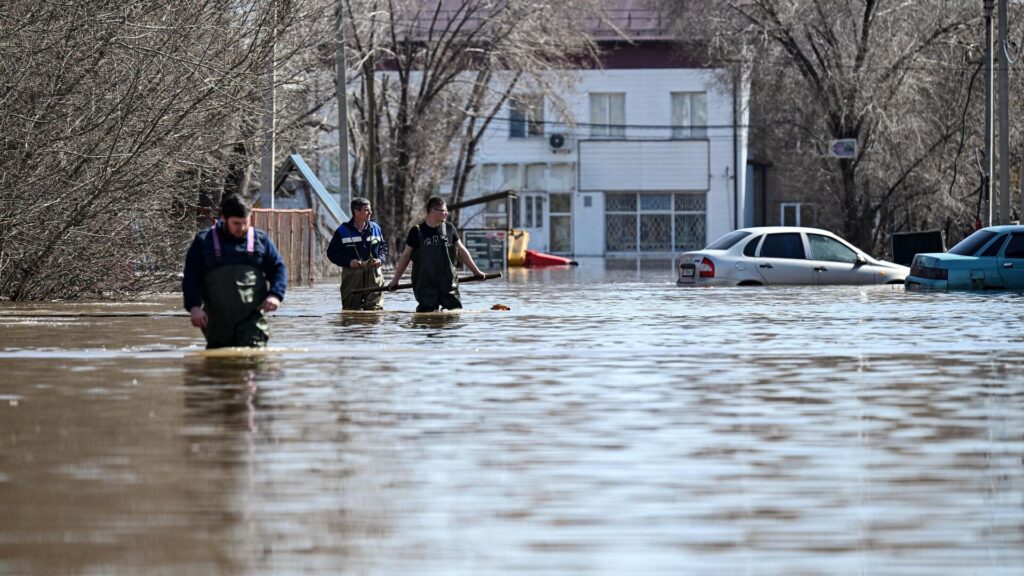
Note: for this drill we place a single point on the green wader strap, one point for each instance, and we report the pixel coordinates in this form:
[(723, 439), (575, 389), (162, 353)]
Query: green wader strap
[(232, 296)]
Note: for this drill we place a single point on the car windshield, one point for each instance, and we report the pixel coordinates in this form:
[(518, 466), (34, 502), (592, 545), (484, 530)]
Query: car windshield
[(728, 241), (968, 246)]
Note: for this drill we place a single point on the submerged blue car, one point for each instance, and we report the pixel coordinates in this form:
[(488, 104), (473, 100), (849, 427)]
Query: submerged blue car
[(990, 259)]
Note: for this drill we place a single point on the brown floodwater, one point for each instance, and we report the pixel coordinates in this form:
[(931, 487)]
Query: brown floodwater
[(609, 423)]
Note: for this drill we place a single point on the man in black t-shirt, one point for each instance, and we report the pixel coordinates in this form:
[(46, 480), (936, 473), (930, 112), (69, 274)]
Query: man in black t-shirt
[(434, 248)]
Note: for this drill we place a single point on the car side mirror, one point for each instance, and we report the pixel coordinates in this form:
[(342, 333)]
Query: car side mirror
[(861, 259)]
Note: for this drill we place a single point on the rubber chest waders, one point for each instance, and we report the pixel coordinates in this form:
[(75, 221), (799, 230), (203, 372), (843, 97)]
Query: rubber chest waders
[(232, 296), (433, 272), (356, 278)]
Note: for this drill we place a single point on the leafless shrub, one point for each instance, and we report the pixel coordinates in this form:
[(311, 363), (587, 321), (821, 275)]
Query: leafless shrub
[(118, 117)]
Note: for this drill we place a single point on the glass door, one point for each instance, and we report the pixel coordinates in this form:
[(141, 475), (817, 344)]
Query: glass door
[(533, 221), (560, 224)]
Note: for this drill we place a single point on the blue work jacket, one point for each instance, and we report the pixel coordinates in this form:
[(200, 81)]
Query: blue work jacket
[(349, 244), (202, 256)]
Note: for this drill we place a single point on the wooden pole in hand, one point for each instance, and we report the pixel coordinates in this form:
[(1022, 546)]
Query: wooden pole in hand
[(490, 276)]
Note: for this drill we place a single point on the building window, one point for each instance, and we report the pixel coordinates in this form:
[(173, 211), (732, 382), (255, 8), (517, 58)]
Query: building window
[(561, 177), (689, 115), (486, 179), (511, 177), (690, 222), (607, 115), (494, 214), (663, 222), (536, 177), (796, 214), (526, 116)]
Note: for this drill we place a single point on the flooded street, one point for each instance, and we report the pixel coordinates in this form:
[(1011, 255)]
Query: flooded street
[(607, 424)]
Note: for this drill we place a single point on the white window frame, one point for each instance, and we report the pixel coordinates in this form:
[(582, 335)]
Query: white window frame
[(691, 124), (798, 211), (604, 122), (526, 115)]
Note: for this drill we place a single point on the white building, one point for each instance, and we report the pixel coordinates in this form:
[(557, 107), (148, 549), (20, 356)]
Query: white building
[(656, 164)]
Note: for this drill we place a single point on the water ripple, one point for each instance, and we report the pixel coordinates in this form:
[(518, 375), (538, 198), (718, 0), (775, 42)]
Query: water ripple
[(619, 427)]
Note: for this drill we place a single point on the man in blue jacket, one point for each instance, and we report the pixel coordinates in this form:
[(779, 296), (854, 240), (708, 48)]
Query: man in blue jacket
[(234, 276), (359, 248)]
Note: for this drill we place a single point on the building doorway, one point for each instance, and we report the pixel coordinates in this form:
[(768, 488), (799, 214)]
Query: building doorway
[(533, 220)]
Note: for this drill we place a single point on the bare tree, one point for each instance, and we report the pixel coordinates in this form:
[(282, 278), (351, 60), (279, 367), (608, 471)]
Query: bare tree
[(433, 75), (117, 117), (894, 76)]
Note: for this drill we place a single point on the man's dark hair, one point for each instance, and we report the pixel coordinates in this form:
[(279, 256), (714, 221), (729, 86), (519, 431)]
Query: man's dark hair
[(359, 203), (435, 202), (234, 206)]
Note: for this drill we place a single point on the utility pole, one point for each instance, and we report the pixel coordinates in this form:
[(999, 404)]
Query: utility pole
[(1004, 120), (987, 167), (269, 103), (370, 184), (342, 88)]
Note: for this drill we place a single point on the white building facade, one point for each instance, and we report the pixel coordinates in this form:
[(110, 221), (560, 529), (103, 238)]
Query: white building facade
[(655, 164)]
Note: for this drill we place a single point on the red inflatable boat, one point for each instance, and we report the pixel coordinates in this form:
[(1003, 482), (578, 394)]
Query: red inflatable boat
[(536, 259)]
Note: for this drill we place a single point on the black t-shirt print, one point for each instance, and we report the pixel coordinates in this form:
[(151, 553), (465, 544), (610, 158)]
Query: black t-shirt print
[(428, 234)]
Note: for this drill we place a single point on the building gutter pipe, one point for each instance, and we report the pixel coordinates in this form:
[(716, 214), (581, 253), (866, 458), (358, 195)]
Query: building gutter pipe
[(735, 149)]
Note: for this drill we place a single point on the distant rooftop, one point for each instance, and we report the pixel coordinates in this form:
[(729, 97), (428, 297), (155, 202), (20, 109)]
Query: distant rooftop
[(632, 18), (629, 18)]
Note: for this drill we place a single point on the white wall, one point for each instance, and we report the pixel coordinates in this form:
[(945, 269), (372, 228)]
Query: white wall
[(648, 103), (640, 162), (644, 165)]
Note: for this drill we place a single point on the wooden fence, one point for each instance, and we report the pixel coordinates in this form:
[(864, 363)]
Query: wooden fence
[(292, 231)]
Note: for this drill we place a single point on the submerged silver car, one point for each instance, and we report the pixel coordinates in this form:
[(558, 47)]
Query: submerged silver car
[(784, 255)]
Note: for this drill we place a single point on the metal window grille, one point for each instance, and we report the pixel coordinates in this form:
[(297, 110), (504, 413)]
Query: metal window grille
[(655, 223)]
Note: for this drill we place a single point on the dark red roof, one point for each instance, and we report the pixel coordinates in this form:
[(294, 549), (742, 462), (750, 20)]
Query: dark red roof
[(633, 19)]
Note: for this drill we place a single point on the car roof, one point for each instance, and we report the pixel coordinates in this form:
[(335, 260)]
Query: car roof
[(760, 229), (1005, 228)]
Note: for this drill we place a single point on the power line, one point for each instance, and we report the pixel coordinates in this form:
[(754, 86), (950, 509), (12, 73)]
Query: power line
[(609, 126)]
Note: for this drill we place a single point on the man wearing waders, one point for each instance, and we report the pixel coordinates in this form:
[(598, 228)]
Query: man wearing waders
[(359, 248), (434, 248), (234, 276)]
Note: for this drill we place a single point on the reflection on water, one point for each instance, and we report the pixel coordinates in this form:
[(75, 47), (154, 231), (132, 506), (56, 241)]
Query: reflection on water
[(606, 424)]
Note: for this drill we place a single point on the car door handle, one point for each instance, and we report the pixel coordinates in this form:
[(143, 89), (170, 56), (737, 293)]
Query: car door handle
[(1007, 264), (766, 266), (820, 269)]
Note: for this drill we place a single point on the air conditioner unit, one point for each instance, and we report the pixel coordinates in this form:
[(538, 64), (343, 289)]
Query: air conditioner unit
[(560, 142)]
